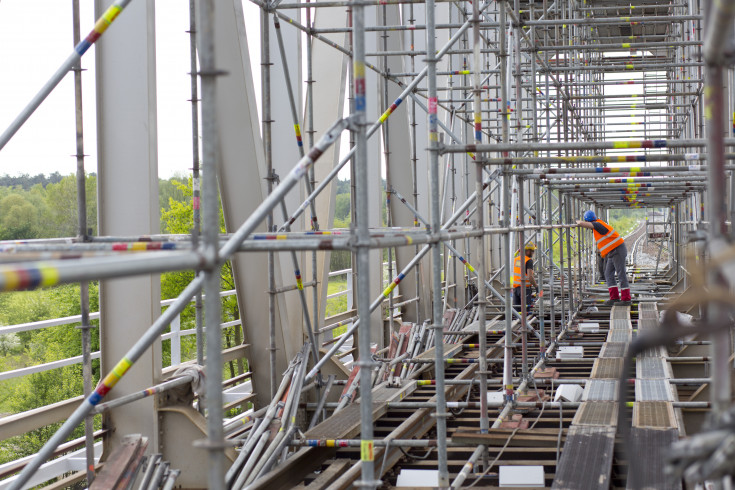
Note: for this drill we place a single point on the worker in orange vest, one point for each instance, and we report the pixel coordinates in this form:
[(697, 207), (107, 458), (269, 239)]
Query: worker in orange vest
[(611, 247), (530, 248)]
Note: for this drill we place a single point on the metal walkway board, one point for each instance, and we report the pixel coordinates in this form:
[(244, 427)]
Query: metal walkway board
[(619, 336), (651, 368), (614, 349), (618, 324), (603, 414), (654, 415), (608, 368), (651, 446), (586, 460), (647, 390), (603, 390)]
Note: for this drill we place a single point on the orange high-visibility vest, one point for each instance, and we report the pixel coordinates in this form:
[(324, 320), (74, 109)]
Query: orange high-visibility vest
[(607, 242), (516, 278)]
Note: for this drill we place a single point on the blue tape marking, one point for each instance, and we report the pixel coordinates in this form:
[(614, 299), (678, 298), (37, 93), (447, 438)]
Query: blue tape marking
[(94, 398), (35, 276), (168, 246), (82, 47), (659, 143)]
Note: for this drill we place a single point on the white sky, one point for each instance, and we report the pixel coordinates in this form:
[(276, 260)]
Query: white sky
[(36, 37)]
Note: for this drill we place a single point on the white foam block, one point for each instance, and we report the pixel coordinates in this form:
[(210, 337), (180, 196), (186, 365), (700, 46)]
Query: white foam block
[(495, 397), (418, 478), (570, 352), (591, 327), (522, 476), (568, 393)]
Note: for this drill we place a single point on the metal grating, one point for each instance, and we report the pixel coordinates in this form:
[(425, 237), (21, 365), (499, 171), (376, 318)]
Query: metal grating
[(586, 460), (619, 336), (651, 367), (608, 368), (600, 390), (597, 413), (620, 324), (647, 324), (655, 352), (650, 450), (655, 415), (620, 313), (614, 349), (648, 315), (652, 390)]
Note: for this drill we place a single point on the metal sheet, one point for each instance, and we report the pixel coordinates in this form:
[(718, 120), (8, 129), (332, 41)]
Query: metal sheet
[(617, 324)]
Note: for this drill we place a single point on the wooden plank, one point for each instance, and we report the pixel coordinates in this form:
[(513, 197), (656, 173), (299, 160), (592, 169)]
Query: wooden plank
[(344, 424), (512, 437), (121, 464), (328, 475)]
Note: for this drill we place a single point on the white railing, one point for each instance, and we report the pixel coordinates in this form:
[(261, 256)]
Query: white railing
[(174, 336)]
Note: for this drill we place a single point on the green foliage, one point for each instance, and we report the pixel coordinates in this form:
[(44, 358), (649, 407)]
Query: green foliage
[(44, 208), (38, 347)]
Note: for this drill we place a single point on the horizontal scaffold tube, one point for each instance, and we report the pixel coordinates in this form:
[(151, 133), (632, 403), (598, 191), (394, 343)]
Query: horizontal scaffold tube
[(581, 145)]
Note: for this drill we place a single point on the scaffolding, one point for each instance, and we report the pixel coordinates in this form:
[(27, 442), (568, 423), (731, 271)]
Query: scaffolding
[(493, 125)]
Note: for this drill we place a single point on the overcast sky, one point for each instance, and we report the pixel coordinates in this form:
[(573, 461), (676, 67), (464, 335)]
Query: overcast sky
[(36, 37)]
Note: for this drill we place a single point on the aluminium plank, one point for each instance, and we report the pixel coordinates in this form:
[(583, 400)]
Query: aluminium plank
[(586, 460)]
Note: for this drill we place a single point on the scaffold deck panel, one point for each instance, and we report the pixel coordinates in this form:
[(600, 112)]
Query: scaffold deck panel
[(654, 415), (620, 324), (614, 349), (652, 390), (619, 336), (596, 413), (620, 313), (600, 390), (607, 368), (652, 446), (651, 368), (586, 462)]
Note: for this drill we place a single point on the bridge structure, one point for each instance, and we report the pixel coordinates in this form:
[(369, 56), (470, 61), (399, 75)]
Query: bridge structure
[(468, 130)]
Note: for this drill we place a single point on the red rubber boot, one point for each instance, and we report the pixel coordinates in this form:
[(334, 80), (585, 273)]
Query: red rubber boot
[(624, 297), (614, 297)]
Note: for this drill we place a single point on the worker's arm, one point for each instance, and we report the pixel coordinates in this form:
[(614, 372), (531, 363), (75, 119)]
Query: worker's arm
[(585, 224), (531, 278)]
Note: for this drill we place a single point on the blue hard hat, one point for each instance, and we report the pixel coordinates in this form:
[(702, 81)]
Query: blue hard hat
[(589, 215)]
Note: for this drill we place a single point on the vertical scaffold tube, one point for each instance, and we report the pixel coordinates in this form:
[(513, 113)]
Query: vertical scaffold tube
[(436, 261), (363, 258), (481, 294), (210, 201)]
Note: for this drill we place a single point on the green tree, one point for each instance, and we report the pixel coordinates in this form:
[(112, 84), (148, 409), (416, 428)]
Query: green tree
[(18, 218), (61, 199)]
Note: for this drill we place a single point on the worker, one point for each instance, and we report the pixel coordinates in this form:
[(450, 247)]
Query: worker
[(612, 248), (530, 248)]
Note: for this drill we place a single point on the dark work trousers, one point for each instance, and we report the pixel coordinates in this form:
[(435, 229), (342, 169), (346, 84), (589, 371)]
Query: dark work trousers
[(615, 265), (517, 297)]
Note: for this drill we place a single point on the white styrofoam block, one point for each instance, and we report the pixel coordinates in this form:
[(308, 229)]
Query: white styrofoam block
[(591, 327), (418, 478), (522, 476), (569, 393), (495, 397), (570, 352)]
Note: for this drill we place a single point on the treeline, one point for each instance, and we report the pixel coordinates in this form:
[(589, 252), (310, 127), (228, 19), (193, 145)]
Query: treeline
[(46, 207)]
